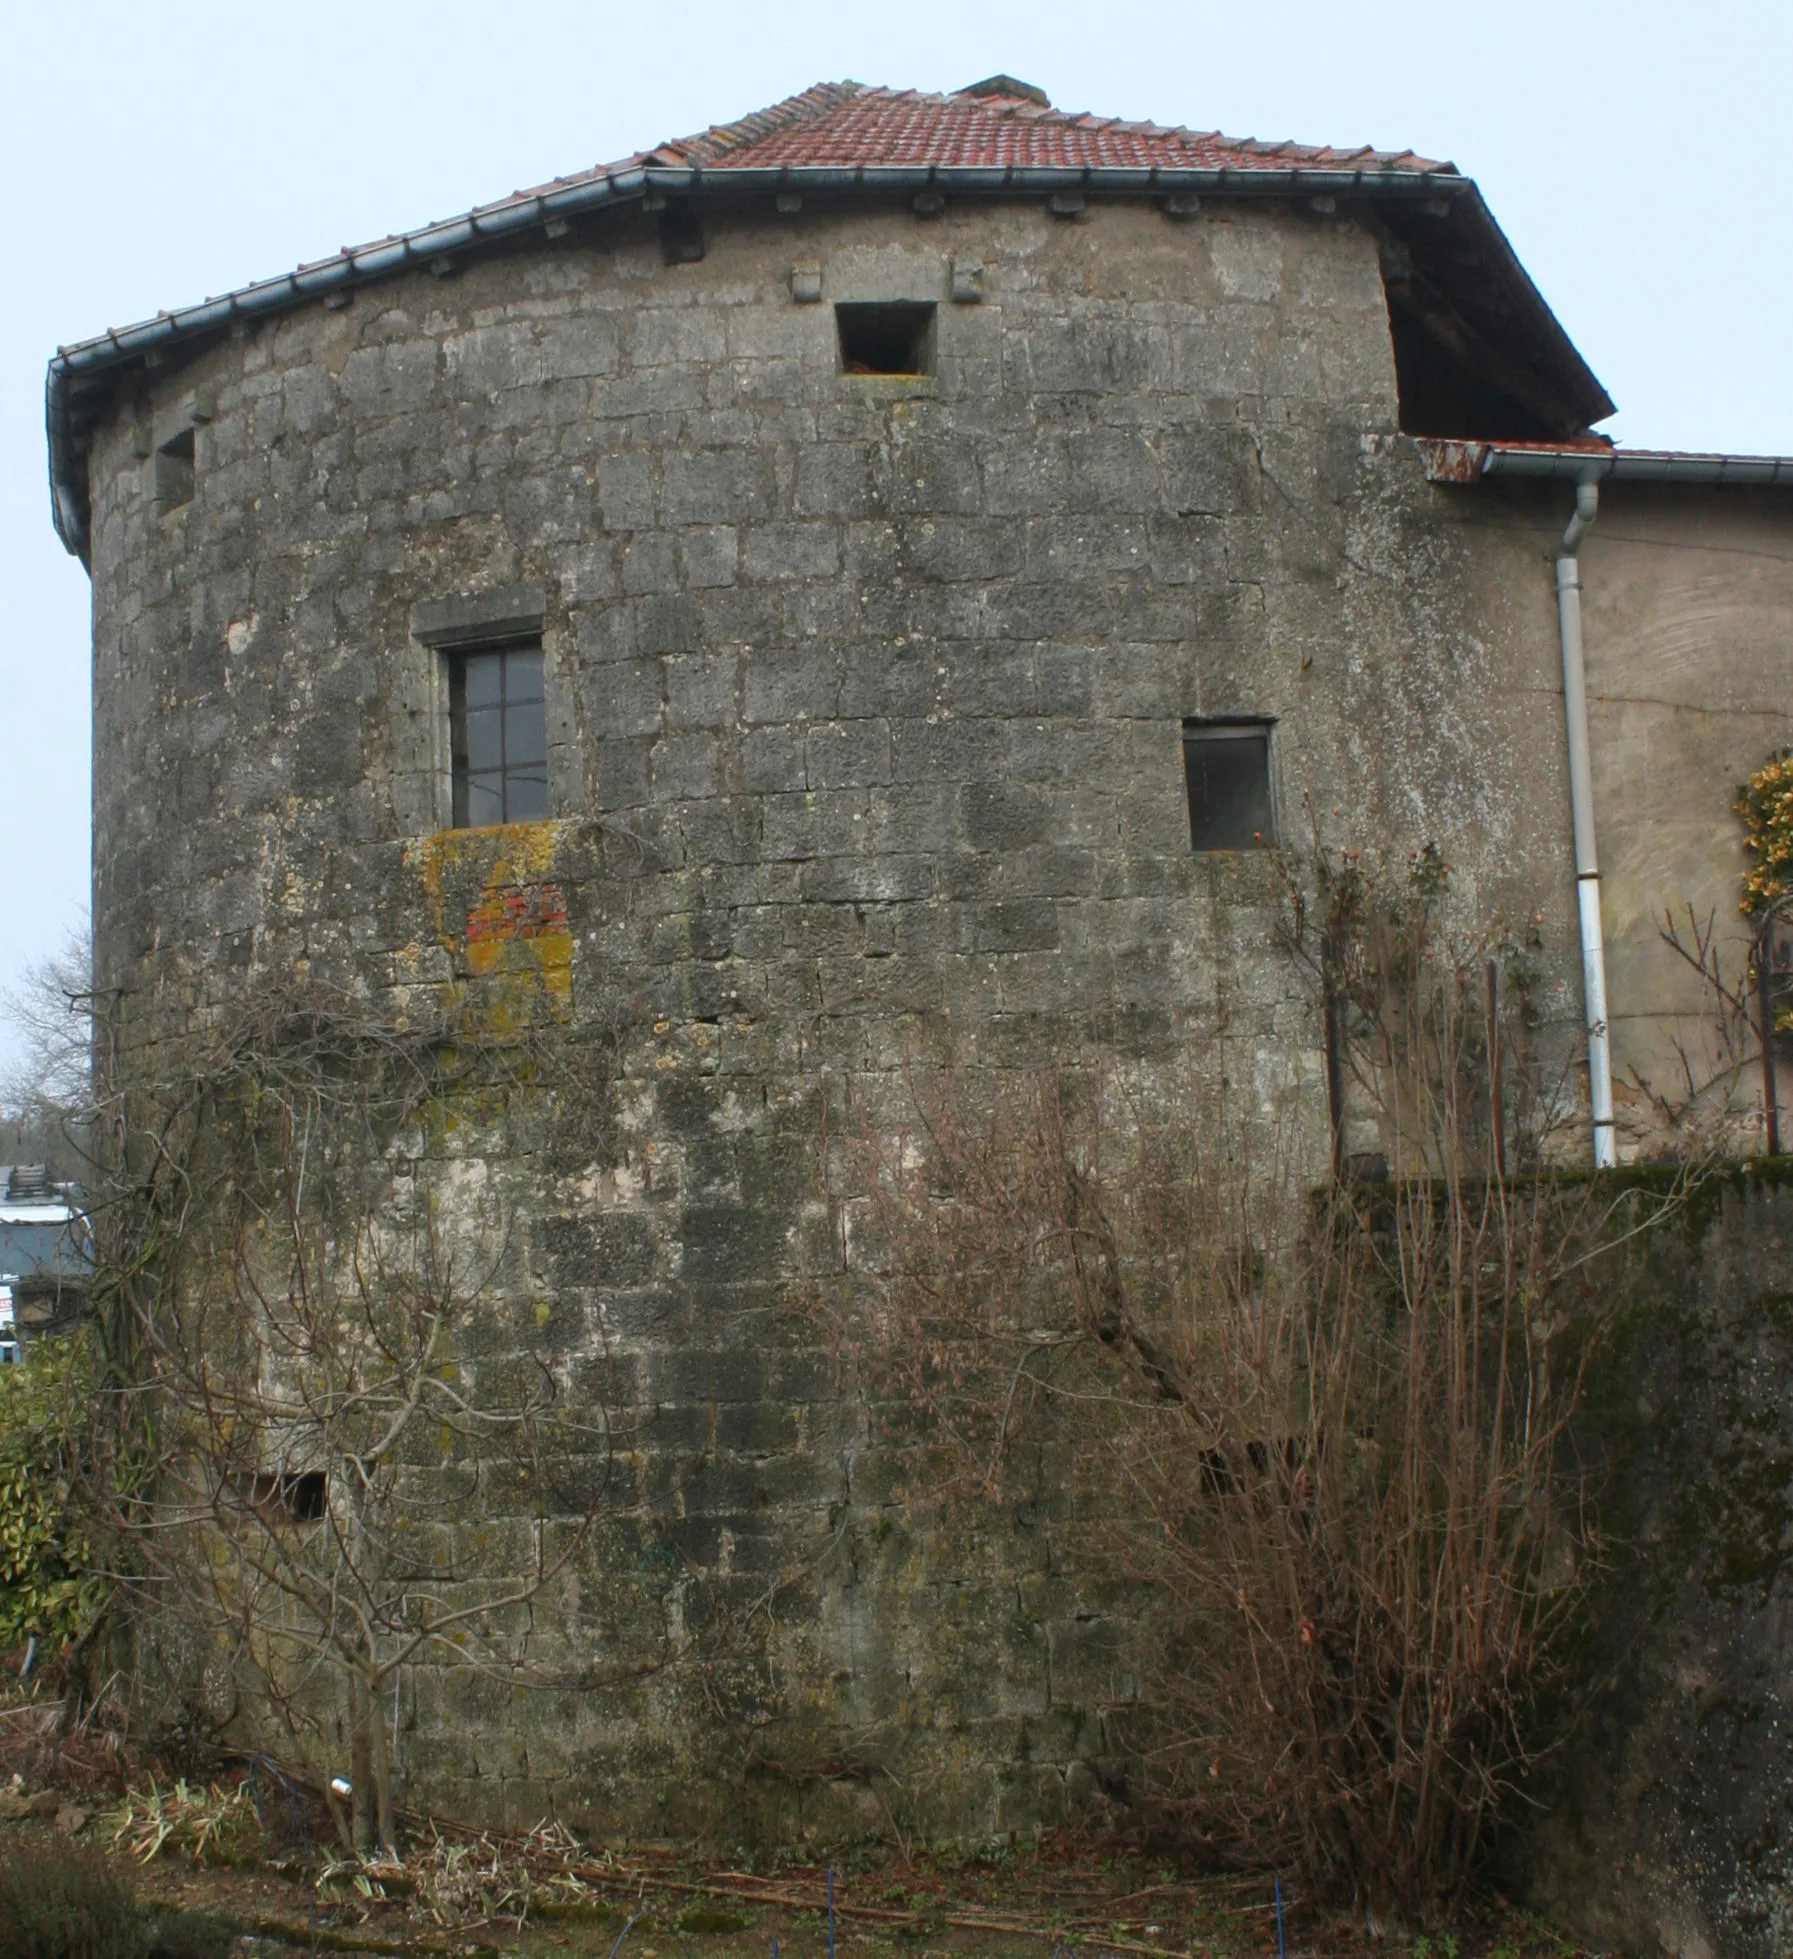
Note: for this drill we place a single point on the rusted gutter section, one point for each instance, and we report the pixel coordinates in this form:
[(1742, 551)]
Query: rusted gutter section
[(1449, 460)]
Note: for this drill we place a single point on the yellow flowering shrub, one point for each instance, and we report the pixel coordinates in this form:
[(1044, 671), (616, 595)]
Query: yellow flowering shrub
[(1765, 802)]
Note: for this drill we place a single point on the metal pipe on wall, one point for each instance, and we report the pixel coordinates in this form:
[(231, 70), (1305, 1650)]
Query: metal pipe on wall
[(1581, 809)]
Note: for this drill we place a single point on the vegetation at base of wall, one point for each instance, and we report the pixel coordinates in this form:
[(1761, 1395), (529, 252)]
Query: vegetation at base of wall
[(62, 1903), (1323, 1432), (51, 1587)]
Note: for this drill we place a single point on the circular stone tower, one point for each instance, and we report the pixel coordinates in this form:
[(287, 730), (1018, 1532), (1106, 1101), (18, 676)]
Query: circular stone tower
[(777, 608)]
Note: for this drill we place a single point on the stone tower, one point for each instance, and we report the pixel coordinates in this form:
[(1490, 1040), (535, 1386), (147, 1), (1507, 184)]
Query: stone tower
[(869, 580)]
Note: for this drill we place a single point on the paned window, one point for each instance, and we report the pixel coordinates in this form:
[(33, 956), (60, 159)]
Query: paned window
[(498, 727), (1226, 765)]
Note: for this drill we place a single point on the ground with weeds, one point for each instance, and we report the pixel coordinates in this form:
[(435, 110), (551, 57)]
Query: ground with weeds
[(249, 1845), (250, 1851)]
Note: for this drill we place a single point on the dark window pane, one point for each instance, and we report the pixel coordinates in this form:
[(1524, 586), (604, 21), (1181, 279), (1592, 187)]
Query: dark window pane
[(526, 794), (1229, 790), (484, 679), (525, 735), (485, 800), (523, 674), (485, 739), (499, 736)]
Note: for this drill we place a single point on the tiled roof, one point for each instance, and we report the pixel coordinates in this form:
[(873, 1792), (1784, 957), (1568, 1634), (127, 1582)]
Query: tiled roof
[(996, 136), (842, 125)]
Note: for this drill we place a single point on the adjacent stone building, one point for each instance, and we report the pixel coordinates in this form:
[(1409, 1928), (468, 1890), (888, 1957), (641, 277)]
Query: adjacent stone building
[(866, 576)]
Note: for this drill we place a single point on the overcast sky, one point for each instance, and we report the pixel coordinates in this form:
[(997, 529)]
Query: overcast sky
[(1634, 152)]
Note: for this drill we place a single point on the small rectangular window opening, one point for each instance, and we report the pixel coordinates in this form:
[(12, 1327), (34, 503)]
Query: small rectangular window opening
[(1226, 765), (287, 1497), (498, 736), (886, 338), (681, 233), (174, 471), (303, 1496)]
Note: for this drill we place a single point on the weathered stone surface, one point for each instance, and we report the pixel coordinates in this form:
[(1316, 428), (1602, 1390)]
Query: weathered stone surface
[(865, 699), (874, 689), (1671, 1806)]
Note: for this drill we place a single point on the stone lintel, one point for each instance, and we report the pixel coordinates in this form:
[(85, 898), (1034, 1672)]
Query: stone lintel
[(466, 618)]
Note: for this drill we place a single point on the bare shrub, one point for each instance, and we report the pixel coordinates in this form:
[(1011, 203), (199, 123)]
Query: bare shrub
[(310, 1375), (1323, 1423), (62, 1902)]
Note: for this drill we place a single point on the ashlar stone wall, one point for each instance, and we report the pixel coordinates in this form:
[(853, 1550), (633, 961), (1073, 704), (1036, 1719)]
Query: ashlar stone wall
[(866, 699)]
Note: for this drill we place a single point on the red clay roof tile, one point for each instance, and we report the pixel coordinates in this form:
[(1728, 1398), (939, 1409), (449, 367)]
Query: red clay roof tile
[(844, 125)]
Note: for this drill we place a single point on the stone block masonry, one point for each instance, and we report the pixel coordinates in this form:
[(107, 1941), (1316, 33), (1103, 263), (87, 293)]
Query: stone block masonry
[(865, 699)]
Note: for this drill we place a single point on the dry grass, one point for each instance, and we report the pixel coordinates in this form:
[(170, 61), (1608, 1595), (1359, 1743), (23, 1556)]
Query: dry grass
[(45, 1744)]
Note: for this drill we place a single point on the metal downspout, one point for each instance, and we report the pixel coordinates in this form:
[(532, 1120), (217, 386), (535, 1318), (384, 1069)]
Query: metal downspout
[(1581, 806)]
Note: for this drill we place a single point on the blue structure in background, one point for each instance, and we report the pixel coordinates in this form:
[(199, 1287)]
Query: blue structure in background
[(44, 1265)]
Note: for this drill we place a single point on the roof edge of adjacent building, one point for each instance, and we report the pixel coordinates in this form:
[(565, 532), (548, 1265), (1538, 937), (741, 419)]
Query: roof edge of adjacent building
[(1593, 459)]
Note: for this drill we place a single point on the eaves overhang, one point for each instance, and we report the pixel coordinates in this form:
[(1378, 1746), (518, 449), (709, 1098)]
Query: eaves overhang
[(82, 373)]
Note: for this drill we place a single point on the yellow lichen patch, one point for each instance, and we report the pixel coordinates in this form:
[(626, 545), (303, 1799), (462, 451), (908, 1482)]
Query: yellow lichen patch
[(504, 853), (514, 934)]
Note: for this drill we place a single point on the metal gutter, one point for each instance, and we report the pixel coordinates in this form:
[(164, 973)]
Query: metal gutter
[(496, 221), (1642, 466), (91, 359)]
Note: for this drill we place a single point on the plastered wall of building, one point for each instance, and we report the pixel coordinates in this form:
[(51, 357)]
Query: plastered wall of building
[(1689, 613)]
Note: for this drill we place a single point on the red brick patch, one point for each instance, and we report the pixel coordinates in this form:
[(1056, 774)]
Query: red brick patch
[(524, 911)]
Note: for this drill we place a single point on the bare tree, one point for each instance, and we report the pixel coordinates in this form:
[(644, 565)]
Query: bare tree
[(46, 1086), (295, 1269)]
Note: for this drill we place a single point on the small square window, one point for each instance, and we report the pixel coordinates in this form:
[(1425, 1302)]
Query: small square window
[(175, 475), (285, 1497), (1226, 765), (893, 338), (498, 735)]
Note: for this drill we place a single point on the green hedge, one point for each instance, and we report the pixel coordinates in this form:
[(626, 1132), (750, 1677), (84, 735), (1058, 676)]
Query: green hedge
[(48, 1590)]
